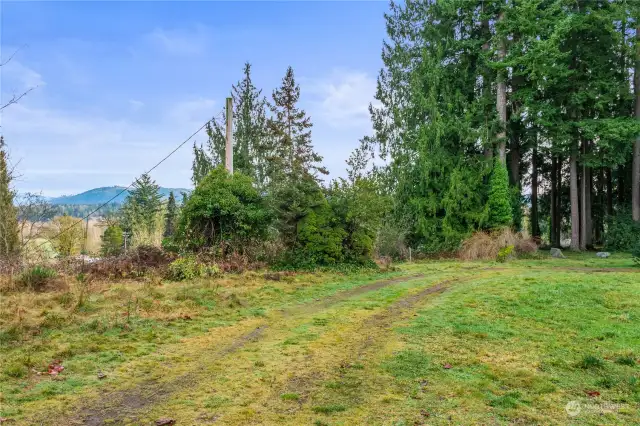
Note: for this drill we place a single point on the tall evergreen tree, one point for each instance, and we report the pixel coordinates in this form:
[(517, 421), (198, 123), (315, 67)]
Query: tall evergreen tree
[(170, 216), (249, 133), (9, 238), (142, 211), (290, 149)]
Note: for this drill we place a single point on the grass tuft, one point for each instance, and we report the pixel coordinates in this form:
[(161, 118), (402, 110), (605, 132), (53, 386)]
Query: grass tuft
[(626, 360), (408, 364), (591, 362), (329, 409), (290, 397)]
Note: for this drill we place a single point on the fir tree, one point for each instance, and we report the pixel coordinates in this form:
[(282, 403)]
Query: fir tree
[(9, 238), (249, 128), (142, 211), (291, 151), (170, 216), (249, 132)]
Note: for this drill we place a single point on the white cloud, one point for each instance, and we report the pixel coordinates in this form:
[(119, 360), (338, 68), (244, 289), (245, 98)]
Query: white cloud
[(192, 111), (135, 105), (57, 148), (342, 99), (192, 41), (17, 76)]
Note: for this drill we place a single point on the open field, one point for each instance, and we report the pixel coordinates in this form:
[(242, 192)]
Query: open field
[(432, 343)]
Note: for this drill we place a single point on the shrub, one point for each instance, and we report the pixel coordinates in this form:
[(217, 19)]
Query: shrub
[(391, 241), (189, 268), (112, 241), (622, 232), (223, 209), (358, 209), (138, 262), (636, 253), (308, 227), (499, 203), (36, 278), (504, 254), (488, 245), (67, 233)]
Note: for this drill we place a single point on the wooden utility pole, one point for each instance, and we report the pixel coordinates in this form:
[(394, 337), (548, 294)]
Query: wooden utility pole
[(228, 158)]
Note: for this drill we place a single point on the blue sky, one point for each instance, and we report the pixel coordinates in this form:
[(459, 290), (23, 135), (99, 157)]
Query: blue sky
[(119, 84)]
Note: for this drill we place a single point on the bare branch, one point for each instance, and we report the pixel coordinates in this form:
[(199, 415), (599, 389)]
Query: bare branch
[(16, 98)]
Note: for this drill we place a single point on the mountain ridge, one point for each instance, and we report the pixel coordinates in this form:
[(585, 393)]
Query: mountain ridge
[(103, 194)]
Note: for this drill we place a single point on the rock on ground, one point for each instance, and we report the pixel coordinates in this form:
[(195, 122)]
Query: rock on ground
[(556, 252)]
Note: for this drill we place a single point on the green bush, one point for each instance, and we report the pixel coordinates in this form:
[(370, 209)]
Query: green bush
[(500, 197), (188, 268), (504, 254), (636, 253), (112, 241), (358, 209), (223, 210), (307, 226), (36, 278), (622, 232)]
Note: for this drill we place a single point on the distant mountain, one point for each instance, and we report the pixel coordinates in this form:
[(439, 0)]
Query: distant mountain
[(102, 195)]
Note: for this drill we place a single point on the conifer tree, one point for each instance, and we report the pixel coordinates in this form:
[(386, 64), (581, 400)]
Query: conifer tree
[(142, 211), (170, 216), (9, 238), (249, 133), (290, 149)]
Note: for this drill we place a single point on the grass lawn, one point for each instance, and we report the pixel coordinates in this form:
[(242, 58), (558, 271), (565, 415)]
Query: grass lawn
[(547, 341)]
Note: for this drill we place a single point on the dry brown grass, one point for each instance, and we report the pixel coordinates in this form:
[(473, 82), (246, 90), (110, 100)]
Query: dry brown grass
[(486, 245)]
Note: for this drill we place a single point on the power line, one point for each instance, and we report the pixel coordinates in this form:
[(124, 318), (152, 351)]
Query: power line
[(131, 184)]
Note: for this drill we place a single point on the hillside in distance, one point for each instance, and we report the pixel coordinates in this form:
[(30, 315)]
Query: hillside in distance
[(104, 194)]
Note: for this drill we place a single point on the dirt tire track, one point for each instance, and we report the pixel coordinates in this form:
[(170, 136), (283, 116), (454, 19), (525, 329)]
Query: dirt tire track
[(373, 327), (119, 405)]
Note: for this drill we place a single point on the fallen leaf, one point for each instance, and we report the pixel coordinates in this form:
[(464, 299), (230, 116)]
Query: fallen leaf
[(424, 413), (55, 368), (447, 366), (165, 422), (101, 375), (593, 393)]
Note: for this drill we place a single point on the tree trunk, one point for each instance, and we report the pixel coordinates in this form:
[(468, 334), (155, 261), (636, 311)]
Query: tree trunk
[(559, 202), (588, 205), (601, 207), (609, 192), (514, 159), (554, 207), (635, 171), (573, 191), (486, 85), (501, 101), (535, 228)]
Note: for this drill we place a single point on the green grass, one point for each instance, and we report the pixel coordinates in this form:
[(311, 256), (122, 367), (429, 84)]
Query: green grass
[(502, 346)]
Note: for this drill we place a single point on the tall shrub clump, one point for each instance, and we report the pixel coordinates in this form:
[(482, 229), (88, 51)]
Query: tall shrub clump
[(224, 211), (500, 210)]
